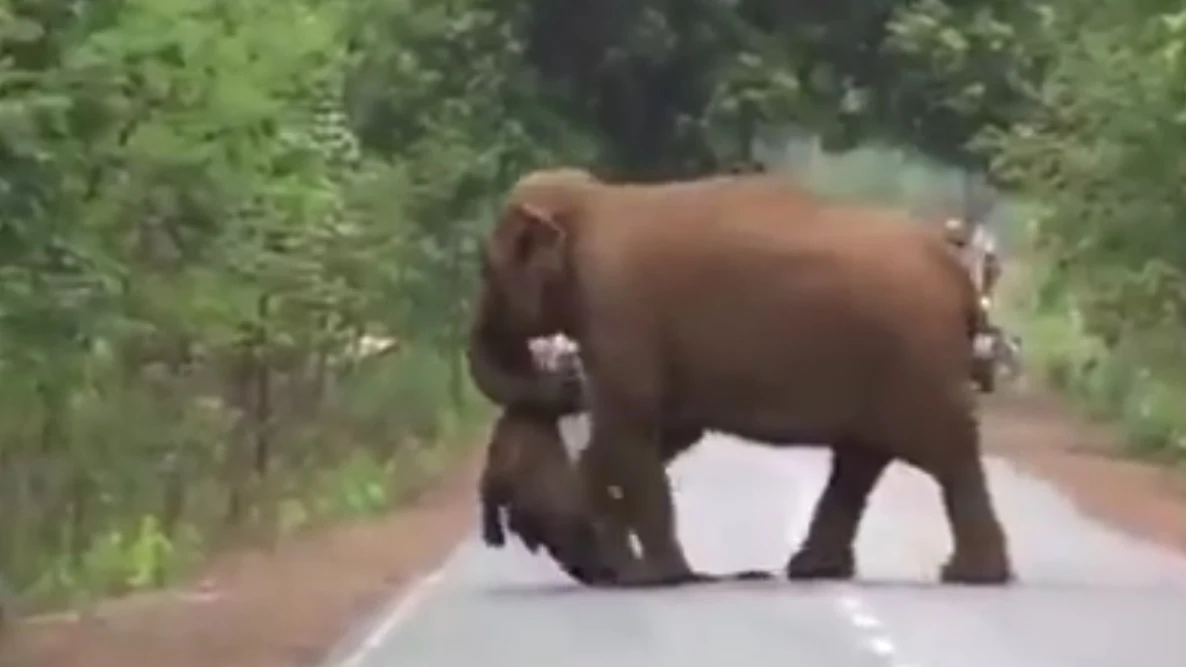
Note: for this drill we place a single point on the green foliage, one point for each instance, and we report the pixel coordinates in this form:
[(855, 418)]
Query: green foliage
[(1101, 150), (204, 208), (684, 87), (1111, 382)]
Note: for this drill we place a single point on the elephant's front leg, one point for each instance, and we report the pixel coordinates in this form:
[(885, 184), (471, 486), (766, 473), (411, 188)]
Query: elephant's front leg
[(617, 528), (626, 478)]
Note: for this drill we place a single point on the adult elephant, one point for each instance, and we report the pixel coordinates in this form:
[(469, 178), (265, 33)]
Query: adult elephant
[(743, 305)]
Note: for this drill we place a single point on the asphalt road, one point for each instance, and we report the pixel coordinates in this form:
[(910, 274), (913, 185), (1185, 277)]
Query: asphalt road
[(1087, 596)]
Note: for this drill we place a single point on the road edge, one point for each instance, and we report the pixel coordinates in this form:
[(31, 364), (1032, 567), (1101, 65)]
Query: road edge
[(1086, 461), (358, 644)]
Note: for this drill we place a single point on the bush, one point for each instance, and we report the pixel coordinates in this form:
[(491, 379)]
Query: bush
[(196, 234), (153, 492), (1128, 382)]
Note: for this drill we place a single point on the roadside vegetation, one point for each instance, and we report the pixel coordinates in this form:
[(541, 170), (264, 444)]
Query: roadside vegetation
[(236, 247), (1101, 158), (237, 238)]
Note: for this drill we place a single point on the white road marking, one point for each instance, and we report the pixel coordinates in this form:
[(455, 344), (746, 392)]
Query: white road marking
[(871, 629), (407, 602), (876, 639), (882, 646), (865, 621), (851, 604)]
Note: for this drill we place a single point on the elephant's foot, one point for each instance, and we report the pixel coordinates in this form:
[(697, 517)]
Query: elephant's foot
[(977, 568), (819, 563)]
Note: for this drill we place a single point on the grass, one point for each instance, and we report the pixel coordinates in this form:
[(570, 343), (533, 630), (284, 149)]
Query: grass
[(1136, 383), (382, 435)]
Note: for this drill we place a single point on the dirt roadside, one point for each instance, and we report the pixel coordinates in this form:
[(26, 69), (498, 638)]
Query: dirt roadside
[(288, 607), (1045, 437), (281, 608)]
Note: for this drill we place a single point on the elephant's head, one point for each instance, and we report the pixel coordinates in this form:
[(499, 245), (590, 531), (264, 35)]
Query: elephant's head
[(527, 291), (531, 487), (526, 256)]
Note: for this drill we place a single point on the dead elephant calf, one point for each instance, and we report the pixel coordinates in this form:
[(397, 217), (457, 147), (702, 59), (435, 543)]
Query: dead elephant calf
[(530, 486)]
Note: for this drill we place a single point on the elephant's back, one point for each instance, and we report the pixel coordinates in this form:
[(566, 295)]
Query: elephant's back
[(772, 310)]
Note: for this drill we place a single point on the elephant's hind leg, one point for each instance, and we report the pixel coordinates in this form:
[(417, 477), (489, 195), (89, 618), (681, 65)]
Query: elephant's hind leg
[(827, 552), (951, 455), (980, 555)]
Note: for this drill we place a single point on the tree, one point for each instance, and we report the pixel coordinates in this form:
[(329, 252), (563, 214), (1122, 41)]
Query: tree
[(202, 219), (681, 87)]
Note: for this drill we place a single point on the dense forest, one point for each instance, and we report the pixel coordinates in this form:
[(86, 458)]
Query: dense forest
[(237, 237)]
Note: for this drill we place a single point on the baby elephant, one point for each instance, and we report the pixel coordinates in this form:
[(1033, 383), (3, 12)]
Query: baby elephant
[(531, 487)]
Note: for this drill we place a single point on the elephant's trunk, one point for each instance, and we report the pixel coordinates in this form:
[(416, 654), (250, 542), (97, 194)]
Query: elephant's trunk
[(503, 368)]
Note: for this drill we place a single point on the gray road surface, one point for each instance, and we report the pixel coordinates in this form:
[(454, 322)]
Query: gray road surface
[(1087, 596)]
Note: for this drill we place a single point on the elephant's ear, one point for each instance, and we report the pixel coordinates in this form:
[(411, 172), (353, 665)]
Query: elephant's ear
[(531, 235), (529, 250), (526, 260)]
